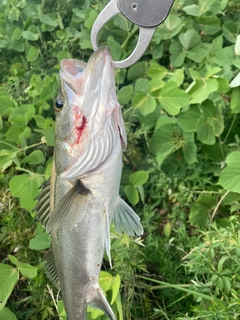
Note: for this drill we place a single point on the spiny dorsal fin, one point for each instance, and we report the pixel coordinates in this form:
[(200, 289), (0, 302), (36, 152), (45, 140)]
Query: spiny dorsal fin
[(126, 220), (72, 204), (43, 206)]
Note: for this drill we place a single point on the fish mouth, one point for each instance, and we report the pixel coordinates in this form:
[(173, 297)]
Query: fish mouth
[(90, 106), (73, 71)]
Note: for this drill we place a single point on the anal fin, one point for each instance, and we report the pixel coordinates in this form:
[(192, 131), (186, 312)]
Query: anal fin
[(106, 235), (126, 220), (100, 302), (50, 267)]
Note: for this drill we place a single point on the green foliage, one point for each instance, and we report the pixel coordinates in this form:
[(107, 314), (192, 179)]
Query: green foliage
[(181, 173)]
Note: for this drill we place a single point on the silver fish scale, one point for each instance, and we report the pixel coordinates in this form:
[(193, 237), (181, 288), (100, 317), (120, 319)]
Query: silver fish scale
[(78, 254)]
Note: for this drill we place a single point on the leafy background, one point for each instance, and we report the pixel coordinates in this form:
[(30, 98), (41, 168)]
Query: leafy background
[(181, 105)]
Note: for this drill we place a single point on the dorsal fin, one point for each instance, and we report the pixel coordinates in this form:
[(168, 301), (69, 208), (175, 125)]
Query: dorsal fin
[(43, 206)]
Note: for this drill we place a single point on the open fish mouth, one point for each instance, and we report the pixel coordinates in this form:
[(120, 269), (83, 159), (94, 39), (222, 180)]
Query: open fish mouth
[(90, 114)]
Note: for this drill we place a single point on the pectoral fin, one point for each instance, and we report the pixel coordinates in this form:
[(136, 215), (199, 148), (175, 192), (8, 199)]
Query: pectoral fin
[(126, 220), (72, 204), (100, 302)]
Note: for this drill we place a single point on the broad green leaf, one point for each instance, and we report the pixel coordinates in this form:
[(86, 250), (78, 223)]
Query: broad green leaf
[(125, 94), (141, 85), (230, 176), (8, 278), (18, 45), (31, 34), (41, 240), (212, 6), (189, 119), (189, 148), (192, 10), (34, 157), (178, 77), (132, 194), (209, 24), (164, 141), (157, 71), (136, 71), (162, 120), (223, 85), (224, 57), (154, 85), (115, 48), (90, 17), (17, 34), (205, 132), (6, 314), (95, 313), (217, 44), (200, 210), (50, 19), (235, 100), (14, 260), (26, 269), (213, 116), (61, 310), (115, 288), (167, 229), (200, 89), (138, 178), (148, 122), (177, 54), (197, 54), (32, 53), (106, 280), (145, 103), (25, 187), (189, 39), (21, 115), (63, 55), (173, 24), (6, 104), (15, 133), (230, 30), (7, 157), (173, 99)]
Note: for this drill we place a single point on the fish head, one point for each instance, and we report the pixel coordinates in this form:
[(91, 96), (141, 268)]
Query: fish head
[(87, 100)]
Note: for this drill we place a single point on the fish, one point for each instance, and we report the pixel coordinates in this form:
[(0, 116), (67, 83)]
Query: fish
[(81, 199)]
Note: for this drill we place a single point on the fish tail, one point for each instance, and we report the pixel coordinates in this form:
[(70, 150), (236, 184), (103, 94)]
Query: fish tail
[(100, 302)]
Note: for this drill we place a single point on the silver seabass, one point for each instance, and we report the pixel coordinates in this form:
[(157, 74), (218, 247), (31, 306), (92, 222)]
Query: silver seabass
[(84, 186)]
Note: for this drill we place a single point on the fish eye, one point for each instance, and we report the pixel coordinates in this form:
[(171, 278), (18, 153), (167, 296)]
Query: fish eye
[(59, 103)]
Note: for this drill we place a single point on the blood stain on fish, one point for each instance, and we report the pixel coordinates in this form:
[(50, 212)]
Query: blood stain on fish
[(80, 124)]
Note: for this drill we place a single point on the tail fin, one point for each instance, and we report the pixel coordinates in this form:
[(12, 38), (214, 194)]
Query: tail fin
[(100, 302)]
